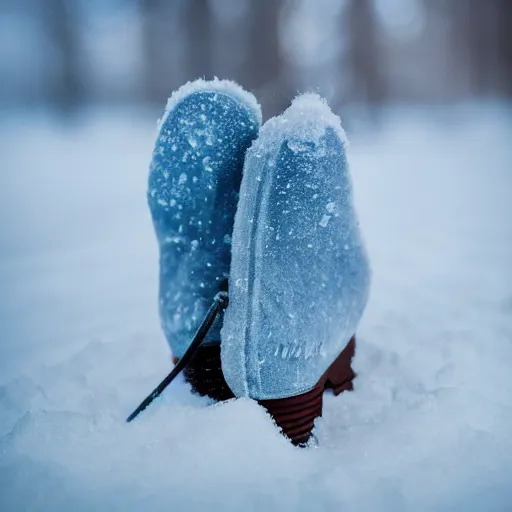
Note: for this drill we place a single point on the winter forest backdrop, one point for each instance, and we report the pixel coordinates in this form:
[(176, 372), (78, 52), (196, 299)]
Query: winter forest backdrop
[(74, 53), (424, 90)]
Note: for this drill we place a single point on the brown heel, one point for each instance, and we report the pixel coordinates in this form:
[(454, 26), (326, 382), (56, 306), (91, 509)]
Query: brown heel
[(296, 415), (204, 373), (339, 375)]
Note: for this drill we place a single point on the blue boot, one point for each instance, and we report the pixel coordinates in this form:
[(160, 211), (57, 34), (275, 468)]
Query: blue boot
[(299, 278), (194, 181)]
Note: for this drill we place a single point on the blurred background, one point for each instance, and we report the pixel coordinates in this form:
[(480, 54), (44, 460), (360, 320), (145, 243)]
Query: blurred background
[(423, 88), (73, 54)]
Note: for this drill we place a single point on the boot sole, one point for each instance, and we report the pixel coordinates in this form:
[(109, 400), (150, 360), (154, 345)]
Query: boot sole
[(296, 415)]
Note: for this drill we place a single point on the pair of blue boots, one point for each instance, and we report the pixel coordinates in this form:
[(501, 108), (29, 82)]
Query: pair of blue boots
[(266, 214)]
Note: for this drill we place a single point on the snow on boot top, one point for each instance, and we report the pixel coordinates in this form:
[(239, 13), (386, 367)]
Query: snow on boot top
[(299, 277), (194, 180)]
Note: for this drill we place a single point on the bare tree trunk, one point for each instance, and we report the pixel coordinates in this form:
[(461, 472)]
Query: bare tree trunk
[(482, 40), (199, 41), (265, 70), (479, 38), (504, 36), (162, 48), (67, 91), (363, 53)]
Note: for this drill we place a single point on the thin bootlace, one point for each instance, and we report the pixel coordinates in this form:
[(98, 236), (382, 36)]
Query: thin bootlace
[(220, 302)]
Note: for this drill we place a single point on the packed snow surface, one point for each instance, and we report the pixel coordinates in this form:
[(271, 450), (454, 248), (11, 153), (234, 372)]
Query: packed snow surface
[(429, 424)]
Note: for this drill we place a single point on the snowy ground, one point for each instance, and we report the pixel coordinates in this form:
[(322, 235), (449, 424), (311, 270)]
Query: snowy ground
[(429, 426)]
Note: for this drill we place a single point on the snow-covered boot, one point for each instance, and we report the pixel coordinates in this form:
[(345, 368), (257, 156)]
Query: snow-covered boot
[(299, 277), (194, 180)]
